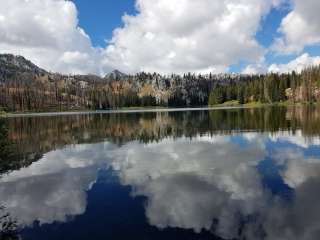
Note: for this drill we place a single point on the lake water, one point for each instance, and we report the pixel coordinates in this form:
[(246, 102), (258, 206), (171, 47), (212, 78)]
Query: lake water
[(211, 174)]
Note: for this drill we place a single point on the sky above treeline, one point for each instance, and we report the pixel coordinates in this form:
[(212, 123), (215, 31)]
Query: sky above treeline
[(165, 36)]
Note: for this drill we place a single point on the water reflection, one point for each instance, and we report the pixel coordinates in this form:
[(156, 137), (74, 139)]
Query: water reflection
[(189, 183), (8, 226), (166, 175)]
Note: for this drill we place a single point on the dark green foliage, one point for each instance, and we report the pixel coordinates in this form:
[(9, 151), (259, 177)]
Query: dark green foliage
[(270, 88), (8, 226), (5, 148), (147, 101), (218, 95)]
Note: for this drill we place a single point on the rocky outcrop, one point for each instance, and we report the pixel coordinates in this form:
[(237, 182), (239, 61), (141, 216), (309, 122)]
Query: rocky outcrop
[(301, 93)]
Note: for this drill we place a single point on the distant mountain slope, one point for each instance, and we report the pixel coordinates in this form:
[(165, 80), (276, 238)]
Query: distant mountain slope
[(19, 63), (115, 75), (9, 62), (116, 89), (12, 66)]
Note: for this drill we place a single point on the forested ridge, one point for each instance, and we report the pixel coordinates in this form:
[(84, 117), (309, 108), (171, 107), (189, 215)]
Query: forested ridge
[(271, 88), (26, 87)]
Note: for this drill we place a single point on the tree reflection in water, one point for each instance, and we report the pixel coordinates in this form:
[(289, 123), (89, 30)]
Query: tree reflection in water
[(237, 173), (8, 226)]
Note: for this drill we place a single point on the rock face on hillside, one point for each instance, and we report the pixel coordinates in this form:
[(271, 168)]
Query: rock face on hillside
[(115, 75), (299, 94), (18, 63), (17, 67)]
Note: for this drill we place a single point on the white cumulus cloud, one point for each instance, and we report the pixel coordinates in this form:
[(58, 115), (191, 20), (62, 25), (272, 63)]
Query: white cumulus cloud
[(186, 35), (163, 36), (255, 68), (300, 28), (47, 33), (297, 64)]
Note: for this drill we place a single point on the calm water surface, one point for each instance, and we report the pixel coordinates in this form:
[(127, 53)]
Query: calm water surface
[(221, 174)]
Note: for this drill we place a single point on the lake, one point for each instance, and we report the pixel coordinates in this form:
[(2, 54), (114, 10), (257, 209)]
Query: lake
[(206, 174)]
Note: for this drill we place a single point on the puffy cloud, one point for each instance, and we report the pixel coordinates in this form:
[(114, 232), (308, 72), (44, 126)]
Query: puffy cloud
[(297, 138), (297, 64), (166, 36), (189, 183), (206, 182), (47, 198), (300, 28), (178, 180), (54, 187), (47, 33), (298, 219), (255, 68), (298, 167), (217, 179), (186, 35)]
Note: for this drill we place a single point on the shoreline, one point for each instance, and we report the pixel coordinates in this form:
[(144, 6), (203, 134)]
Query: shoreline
[(138, 110), (146, 110)]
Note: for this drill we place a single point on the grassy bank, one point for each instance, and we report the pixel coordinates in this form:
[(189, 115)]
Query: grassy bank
[(2, 113), (235, 103), (228, 104)]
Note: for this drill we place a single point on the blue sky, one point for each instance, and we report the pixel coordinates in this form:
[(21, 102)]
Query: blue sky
[(165, 36), (102, 17), (265, 36)]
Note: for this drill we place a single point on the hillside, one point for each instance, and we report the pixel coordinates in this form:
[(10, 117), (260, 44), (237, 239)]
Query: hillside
[(26, 87), (17, 67)]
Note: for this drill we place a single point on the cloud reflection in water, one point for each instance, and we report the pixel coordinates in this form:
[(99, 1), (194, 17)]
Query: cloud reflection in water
[(208, 182)]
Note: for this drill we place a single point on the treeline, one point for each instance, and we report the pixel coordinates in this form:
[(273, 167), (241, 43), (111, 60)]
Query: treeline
[(25, 87), (54, 92), (271, 88)]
